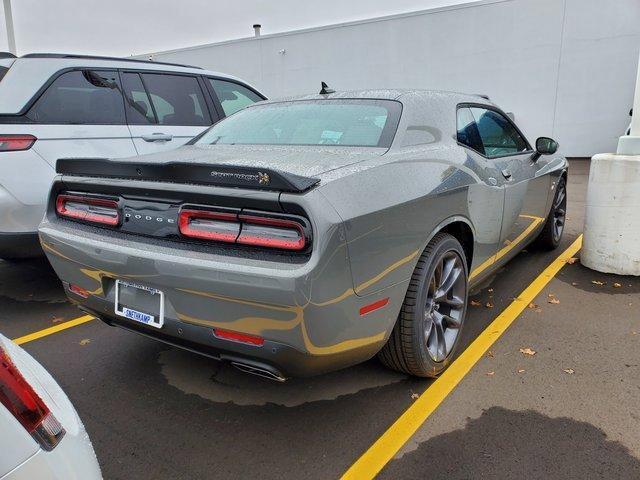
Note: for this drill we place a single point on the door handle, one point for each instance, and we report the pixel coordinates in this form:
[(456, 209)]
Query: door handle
[(506, 174), (157, 137)]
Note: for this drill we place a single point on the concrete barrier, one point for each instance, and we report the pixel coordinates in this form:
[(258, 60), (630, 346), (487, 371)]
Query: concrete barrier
[(611, 241)]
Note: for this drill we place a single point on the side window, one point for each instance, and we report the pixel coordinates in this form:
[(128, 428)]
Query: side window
[(232, 96), (138, 105), (81, 97), (468, 130), (177, 99), (499, 136)]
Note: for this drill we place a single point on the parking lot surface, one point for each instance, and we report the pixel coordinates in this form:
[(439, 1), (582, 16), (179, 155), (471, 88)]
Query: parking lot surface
[(555, 397)]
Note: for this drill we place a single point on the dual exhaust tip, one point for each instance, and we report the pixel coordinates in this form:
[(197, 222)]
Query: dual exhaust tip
[(259, 371)]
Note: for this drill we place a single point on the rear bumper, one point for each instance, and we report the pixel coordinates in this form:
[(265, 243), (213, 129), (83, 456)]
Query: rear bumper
[(280, 360), (19, 245), (307, 313), (72, 458), (16, 216)]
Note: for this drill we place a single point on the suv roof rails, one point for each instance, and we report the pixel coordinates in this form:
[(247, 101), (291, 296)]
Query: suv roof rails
[(96, 57), (7, 55)]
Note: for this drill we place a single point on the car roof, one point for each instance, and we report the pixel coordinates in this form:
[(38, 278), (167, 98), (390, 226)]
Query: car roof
[(30, 72), (405, 95)]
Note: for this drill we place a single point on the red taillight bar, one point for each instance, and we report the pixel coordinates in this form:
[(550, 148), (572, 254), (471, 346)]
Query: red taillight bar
[(79, 208), (255, 237), (245, 229), (219, 226), (26, 406), (16, 143), (238, 337)]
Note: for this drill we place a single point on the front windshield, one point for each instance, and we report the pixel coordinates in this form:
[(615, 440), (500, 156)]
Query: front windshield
[(354, 123)]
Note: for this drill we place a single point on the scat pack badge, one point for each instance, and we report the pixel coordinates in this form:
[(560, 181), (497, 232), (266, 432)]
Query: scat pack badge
[(261, 178)]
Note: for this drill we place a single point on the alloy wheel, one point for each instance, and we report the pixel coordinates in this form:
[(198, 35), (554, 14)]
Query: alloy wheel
[(444, 308), (559, 211)]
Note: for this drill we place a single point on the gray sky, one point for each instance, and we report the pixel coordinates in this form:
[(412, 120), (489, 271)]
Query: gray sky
[(123, 28)]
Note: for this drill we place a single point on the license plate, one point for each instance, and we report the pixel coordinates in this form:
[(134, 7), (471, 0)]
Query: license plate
[(139, 303)]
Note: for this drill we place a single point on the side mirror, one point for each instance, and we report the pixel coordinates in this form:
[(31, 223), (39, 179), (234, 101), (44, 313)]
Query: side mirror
[(546, 146)]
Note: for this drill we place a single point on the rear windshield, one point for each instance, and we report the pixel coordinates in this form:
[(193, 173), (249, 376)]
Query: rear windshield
[(355, 123), (3, 71)]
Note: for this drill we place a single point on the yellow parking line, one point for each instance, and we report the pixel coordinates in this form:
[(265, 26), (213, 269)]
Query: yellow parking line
[(383, 450), (55, 329)]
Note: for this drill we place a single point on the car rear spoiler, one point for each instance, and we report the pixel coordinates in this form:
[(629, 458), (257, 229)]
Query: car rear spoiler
[(181, 172)]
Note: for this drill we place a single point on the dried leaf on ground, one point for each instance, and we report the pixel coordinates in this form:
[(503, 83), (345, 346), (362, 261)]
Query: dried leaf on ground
[(475, 303), (489, 305), (527, 351), (521, 370), (415, 396), (572, 260), (617, 285), (490, 374), (575, 284), (597, 282), (552, 299), (85, 341), (56, 319), (490, 354), (532, 306), (570, 371), (490, 290)]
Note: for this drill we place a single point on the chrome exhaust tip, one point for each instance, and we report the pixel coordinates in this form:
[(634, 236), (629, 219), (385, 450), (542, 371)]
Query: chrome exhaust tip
[(259, 371)]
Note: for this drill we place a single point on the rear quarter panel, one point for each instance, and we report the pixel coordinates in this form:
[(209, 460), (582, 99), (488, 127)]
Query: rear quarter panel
[(392, 210)]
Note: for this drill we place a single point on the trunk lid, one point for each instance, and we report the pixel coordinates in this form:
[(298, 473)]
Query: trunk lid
[(306, 161)]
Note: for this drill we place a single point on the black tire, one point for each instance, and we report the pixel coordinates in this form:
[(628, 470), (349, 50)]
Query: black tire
[(410, 346), (551, 234)]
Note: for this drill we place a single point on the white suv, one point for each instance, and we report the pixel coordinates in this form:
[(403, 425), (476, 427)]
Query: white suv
[(58, 106)]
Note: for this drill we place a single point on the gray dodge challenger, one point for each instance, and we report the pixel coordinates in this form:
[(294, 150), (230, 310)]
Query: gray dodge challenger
[(306, 235)]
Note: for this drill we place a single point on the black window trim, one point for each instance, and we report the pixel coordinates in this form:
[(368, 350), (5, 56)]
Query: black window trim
[(528, 151), (126, 110), (214, 112)]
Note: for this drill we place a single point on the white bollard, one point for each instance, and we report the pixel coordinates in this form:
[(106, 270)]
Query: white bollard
[(611, 240)]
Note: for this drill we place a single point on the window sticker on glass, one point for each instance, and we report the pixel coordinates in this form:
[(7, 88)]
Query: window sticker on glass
[(330, 136)]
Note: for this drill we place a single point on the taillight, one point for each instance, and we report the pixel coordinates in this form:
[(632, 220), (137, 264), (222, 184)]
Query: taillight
[(88, 209), (26, 406), (259, 229), (15, 143), (206, 225), (271, 232)]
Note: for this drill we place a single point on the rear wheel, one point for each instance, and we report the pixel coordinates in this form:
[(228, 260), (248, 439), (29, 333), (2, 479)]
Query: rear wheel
[(551, 234), (427, 333)]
